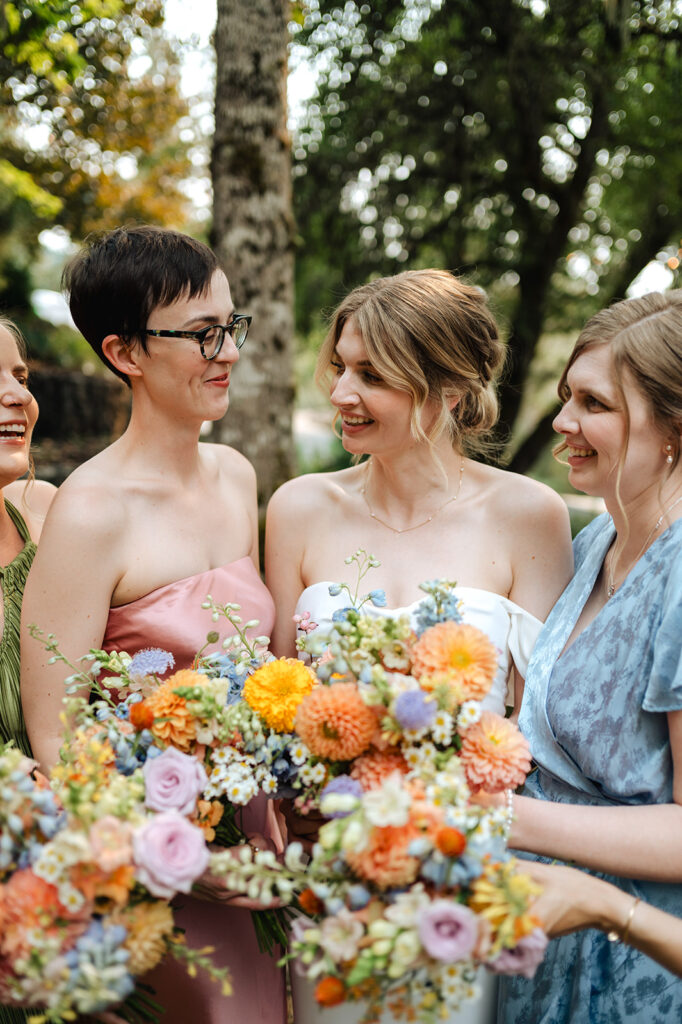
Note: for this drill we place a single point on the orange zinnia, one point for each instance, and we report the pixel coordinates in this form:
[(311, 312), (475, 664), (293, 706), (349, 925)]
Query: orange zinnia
[(335, 723), (494, 753), (463, 653)]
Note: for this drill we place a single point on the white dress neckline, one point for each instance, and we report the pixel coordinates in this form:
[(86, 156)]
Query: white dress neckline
[(511, 628)]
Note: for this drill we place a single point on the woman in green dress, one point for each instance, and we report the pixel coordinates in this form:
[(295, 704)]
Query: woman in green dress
[(22, 512)]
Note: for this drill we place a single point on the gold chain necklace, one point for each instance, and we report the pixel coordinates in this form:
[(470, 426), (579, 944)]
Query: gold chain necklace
[(610, 572), (408, 529)]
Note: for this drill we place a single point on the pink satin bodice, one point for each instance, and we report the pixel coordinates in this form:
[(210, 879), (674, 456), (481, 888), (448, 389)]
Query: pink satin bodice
[(171, 617)]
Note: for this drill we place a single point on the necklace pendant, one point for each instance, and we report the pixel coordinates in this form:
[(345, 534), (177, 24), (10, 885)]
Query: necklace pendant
[(610, 590)]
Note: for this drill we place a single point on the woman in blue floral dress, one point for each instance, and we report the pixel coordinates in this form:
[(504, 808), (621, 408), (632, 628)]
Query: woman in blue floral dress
[(602, 707)]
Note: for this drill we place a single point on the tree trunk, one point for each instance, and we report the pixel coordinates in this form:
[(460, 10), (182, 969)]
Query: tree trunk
[(253, 228)]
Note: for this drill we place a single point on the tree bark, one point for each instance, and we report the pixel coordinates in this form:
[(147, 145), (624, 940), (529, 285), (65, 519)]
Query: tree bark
[(253, 228)]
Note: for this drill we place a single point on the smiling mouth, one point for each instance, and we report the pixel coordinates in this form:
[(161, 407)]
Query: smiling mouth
[(356, 421), (580, 453), (13, 431)]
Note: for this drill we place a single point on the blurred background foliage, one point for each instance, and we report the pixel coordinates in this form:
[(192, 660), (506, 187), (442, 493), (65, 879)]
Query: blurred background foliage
[(532, 145)]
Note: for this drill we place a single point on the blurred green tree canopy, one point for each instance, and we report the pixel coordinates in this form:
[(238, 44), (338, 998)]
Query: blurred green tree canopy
[(93, 128), (530, 144)]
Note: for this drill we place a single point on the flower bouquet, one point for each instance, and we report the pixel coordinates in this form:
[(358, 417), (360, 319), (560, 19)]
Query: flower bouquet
[(175, 733), (86, 872), (409, 889), (383, 694)]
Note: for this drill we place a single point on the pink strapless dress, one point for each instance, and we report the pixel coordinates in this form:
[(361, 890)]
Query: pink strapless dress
[(172, 618)]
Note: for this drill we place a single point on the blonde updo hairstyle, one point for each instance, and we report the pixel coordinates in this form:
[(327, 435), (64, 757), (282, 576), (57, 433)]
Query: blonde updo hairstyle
[(645, 339), (430, 334)]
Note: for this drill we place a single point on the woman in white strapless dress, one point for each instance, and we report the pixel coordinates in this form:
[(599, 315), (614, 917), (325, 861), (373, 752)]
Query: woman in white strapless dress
[(412, 362)]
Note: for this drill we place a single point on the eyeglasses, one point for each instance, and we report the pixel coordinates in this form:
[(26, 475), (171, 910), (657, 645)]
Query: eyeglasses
[(211, 338)]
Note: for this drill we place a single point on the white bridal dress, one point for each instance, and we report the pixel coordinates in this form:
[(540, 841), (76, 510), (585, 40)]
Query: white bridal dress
[(514, 632)]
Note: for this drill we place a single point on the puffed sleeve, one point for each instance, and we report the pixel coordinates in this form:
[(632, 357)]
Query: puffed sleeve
[(664, 689)]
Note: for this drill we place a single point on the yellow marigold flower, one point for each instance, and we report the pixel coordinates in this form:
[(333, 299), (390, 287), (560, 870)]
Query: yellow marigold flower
[(149, 926), (463, 652), (502, 896), (275, 691)]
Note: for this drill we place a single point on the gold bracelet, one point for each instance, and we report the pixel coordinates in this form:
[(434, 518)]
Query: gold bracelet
[(613, 935)]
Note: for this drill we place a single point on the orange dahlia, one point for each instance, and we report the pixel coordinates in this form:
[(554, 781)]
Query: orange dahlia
[(276, 690), (372, 768), (335, 723), (463, 653), (385, 860), (494, 753), (173, 723)]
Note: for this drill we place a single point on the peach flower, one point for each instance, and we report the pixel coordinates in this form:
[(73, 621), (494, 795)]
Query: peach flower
[(463, 653), (173, 723), (385, 860), (372, 768), (494, 753), (335, 723), (28, 903)]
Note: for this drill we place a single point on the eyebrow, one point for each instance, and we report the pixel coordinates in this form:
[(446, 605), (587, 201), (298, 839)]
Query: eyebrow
[(363, 362)]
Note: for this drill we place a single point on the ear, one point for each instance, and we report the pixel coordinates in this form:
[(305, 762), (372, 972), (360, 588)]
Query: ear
[(452, 401), (124, 357)]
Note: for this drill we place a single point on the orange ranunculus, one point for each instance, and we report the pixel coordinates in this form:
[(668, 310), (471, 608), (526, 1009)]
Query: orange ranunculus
[(450, 841), (330, 991), (141, 715), (310, 903)]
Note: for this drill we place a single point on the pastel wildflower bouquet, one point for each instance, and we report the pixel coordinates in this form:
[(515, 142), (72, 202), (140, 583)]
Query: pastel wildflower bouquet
[(87, 869), (175, 734), (383, 693), (409, 890)]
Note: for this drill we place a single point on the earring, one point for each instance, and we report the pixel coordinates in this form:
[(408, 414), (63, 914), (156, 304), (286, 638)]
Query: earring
[(669, 454)]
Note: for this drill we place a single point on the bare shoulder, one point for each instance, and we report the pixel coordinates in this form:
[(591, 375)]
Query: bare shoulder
[(311, 494), (88, 505), (521, 499), (34, 496), (230, 461)]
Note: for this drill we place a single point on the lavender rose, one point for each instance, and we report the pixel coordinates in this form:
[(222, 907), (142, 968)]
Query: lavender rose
[(169, 854), (524, 958), (448, 930), (173, 781)]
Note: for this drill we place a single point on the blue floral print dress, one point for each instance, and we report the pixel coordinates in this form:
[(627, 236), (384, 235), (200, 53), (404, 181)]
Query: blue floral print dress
[(595, 717)]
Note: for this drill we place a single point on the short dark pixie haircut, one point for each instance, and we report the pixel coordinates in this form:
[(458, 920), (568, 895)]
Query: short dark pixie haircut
[(119, 277)]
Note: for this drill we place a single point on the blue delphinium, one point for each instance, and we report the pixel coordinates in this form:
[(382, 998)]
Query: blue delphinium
[(98, 965), (378, 598), (152, 661), (413, 710), (441, 605)]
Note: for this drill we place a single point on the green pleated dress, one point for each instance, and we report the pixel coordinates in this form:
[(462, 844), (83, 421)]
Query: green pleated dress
[(13, 580)]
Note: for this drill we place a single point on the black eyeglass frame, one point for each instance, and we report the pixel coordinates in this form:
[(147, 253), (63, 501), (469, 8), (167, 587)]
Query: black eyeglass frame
[(200, 336)]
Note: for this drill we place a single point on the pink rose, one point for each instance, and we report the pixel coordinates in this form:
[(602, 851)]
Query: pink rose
[(173, 781), (170, 854), (524, 958), (448, 930), (111, 843)]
